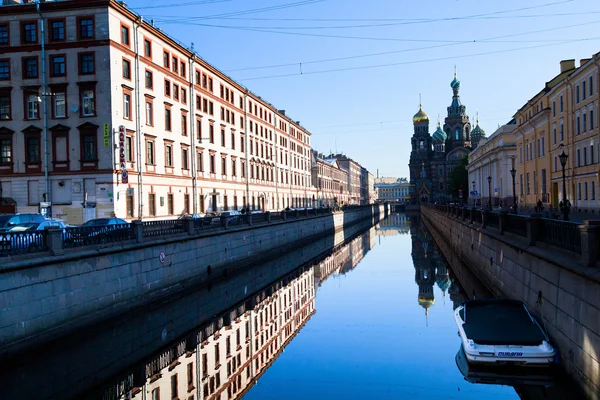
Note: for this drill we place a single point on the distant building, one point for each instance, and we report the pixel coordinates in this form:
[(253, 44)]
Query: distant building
[(433, 157), (354, 170), (494, 157), (330, 181), (392, 189)]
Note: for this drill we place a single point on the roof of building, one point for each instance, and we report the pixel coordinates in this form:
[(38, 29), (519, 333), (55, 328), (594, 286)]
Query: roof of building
[(439, 135), (420, 116)]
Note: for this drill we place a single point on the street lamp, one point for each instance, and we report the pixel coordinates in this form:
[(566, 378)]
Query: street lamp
[(490, 189), (563, 161), (513, 173)]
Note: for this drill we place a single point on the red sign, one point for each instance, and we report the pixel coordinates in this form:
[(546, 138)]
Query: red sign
[(122, 161)]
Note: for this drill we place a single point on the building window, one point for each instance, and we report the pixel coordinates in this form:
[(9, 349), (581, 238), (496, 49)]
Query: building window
[(57, 64), (233, 170), (182, 69), (149, 152), (86, 28), (89, 148), (127, 69), (585, 191), (30, 67), (554, 108), (591, 153), (152, 204), (528, 184), (175, 64), (167, 88), (127, 105), (4, 69), (211, 134), (562, 131), (223, 137), (57, 30), (184, 125), (521, 184), (577, 94), (32, 149), (59, 105), (176, 92), (554, 134), (561, 104), (147, 48), (578, 157), (88, 102), (170, 205), (591, 119), (4, 34), (591, 87), (33, 107), (585, 156), (5, 150), (5, 107), (212, 163), (148, 79), (185, 159), (129, 211), (168, 119), (168, 155), (579, 191), (593, 186), (583, 91), (149, 114), (129, 156), (166, 58), (125, 35), (86, 64), (232, 141), (29, 32), (223, 166), (243, 170), (584, 121), (200, 161), (186, 203), (183, 96)]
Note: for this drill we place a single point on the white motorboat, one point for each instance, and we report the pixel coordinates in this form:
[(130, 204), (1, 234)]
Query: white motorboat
[(502, 331)]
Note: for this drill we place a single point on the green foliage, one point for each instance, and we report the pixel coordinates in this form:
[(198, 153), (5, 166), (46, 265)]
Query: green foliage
[(459, 179)]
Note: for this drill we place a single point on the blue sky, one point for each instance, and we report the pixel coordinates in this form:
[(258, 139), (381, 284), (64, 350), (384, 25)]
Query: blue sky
[(362, 104)]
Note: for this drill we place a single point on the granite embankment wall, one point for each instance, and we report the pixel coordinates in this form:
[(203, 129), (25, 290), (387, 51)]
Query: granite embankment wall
[(46, 297), (559, 291)]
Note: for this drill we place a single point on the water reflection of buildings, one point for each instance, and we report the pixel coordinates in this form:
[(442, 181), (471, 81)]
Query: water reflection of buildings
[(394, 224), (226, 356), (430, 266)]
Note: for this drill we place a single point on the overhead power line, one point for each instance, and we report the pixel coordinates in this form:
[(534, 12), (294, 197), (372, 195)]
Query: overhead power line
[(187, 4), (417, 61)]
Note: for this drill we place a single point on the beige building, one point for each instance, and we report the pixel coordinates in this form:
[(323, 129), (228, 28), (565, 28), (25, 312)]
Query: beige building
[(135, 124), (330, 180), (562, 117), (392, 189), (494, 157)]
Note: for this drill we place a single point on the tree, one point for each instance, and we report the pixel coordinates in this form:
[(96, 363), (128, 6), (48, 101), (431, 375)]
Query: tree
[(459, 179)]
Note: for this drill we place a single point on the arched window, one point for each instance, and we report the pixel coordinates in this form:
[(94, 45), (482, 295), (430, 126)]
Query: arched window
[(421, 145), (457, 133)]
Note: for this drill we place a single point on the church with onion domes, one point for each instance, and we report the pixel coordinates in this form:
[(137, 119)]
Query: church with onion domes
[(433, 156)]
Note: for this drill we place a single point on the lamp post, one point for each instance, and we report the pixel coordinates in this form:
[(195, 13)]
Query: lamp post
[(563, 162), (473, 192), (513, 173), (489, 179)]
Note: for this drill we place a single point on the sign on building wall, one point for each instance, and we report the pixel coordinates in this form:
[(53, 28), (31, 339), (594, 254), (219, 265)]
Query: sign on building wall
[(106, 135), (122, 161)]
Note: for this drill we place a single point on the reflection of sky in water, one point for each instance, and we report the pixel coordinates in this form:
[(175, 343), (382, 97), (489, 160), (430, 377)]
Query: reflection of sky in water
[(369, 339)]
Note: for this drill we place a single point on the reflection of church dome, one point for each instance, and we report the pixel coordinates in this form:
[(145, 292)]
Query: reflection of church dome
[(443, 283), (426, 302), (439, 135), (421, 116), (455, 84)]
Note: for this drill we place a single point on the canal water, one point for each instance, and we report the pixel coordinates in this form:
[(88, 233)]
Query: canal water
[(372, 319)]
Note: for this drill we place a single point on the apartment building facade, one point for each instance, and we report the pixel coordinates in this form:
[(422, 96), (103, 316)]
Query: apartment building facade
[(392, 189), (494, 158), (563, 117), (330, 180), (135, 124)]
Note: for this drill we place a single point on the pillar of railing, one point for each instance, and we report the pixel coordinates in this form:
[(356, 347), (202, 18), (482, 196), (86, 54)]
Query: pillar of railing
[(484, 218), (502, 221), (137, 228), (268, 215), (533, 223), (190, 226), (54, 240), (472, 216), (590, 243)]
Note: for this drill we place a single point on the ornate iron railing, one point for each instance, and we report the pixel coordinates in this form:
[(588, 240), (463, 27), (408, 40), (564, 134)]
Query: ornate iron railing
[(563, 234), (493, 220), (89, 235), (15, 243), (164, 227), (515, 224)]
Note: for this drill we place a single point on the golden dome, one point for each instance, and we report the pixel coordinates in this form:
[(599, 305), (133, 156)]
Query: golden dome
[(421, 116), (425, 302)]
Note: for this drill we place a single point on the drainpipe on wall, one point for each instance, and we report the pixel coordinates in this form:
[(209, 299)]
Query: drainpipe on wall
[(192, 121), (276, 205), (138, 127), (47, 197), (246, 206)]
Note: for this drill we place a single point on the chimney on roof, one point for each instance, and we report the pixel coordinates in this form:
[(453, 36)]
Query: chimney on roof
[(282, 112), (583, 61), (566, 65), (152, 22), (297, 122)]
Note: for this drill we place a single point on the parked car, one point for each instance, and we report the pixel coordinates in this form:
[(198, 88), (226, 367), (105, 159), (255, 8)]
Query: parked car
[(38, 226), (105, 222), (9, 221)]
